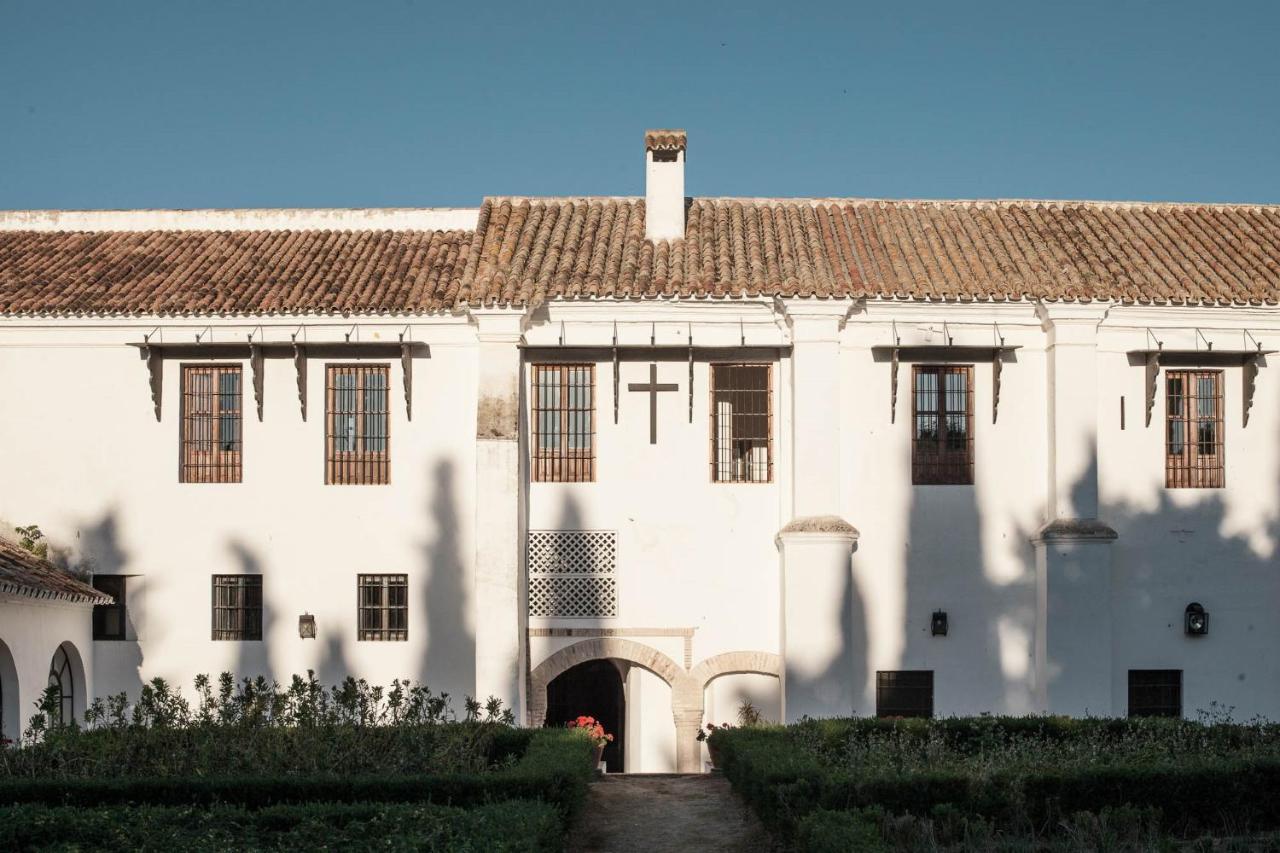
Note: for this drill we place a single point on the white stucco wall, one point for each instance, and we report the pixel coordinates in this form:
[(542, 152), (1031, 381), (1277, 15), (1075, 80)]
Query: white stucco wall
[(31, 631), (85, 458)]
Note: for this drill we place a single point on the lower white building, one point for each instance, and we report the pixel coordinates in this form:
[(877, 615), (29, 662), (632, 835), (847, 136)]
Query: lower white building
[(647, 458)]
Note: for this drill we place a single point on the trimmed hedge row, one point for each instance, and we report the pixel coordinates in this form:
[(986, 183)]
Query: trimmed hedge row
[(555, 767), (785, 783), (509, 827)]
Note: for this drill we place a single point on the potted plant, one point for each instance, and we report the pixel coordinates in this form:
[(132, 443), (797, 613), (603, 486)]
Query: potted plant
[(713, 748), (596, 732)]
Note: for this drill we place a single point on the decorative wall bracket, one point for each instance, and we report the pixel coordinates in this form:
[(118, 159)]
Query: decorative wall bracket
[(1249, 360), (944, 353)]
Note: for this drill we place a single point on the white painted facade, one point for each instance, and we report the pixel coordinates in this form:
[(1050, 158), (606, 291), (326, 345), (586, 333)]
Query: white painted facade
[(791, 593)]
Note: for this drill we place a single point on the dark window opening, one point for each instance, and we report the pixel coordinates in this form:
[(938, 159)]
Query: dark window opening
[(1155, 693), (383, 604), (942, 425), (237, 607), (904, 693), (109, 619)]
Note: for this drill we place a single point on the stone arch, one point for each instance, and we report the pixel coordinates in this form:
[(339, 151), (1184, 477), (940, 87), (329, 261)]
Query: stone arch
[(637, 654), (735, 663), (10, 725)]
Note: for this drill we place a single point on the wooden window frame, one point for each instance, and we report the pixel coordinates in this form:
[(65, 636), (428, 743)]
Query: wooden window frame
[(244, 612), (361, 466), (752, 471), (1190, 467), (1151, 703), (203, 459), (563, 463), (115, 586), (932, 462), (381, 611), (884, 684)]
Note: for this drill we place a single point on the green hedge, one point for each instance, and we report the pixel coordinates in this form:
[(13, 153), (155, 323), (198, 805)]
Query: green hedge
[(784, 779), (510, 826), (555, 767)]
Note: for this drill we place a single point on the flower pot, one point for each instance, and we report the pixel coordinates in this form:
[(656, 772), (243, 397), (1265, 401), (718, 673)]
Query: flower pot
[(599, 755)]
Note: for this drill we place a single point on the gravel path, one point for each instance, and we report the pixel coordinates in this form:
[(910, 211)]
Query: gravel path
[(662, 813)]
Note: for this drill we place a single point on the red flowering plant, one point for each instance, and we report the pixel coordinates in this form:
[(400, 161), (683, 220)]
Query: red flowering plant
[(592, 727)]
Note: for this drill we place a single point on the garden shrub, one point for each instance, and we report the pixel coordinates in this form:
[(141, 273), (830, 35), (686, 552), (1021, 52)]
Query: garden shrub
[(1031, 776), (510, 826)]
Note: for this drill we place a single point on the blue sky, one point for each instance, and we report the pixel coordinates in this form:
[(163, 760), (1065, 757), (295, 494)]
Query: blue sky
[(410, 103)]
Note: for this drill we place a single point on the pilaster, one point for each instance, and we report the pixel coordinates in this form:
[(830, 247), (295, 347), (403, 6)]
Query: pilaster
[(497, 514)]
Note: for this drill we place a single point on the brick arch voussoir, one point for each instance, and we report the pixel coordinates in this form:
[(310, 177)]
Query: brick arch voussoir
[(637, 654), (733, 663)]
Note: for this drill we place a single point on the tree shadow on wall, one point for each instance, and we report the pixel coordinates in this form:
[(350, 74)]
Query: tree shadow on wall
[(117, 664), (449, 661), (253, 658)]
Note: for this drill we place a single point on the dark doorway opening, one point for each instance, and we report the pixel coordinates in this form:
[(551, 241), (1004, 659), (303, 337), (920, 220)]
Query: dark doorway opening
[(593, 688)]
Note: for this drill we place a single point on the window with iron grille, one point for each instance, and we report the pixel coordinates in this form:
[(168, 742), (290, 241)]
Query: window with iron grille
[(237, 607), (357, 424), (211, 434), (1155, 693), (741, 423), (942, 425), (1194, 434), (564, 447), (904, 693), (383, 607), (573, 573), (109, 619)]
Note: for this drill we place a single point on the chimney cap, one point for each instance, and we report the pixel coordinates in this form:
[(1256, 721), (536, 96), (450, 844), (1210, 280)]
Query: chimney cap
[(665, 140)]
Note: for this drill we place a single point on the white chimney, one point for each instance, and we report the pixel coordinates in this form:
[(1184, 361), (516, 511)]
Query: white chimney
[(664, 184)]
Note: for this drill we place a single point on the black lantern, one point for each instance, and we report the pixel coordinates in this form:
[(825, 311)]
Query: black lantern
[(1197, 620), (938, 624), (307, 626)]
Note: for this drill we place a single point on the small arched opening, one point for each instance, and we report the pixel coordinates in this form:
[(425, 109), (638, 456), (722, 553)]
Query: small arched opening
[(592, 689), (66, 678), (10, 725)]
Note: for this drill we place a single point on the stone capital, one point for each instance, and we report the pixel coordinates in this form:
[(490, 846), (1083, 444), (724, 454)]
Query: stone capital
[(1075, 530), (818, 528), (498, 325)]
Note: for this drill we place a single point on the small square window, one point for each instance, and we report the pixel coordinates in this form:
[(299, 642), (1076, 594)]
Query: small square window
[(383, 607), (1155, 693), (237, 607), (904, 693)]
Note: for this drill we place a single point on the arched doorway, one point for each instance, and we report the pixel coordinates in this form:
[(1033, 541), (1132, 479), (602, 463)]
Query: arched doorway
[(595, 689), (67, 679)]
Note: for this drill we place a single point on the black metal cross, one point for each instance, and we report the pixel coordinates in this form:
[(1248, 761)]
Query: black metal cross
[(653, 387)]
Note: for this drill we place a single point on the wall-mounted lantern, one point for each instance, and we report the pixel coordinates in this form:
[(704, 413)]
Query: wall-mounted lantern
[(1197, 620), (307, 626), (938, 624)]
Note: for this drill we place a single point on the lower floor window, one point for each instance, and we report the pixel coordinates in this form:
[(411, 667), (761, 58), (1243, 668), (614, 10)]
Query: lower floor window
[(109, 619), (237, 607), (904, 693), (1155, 693), (383, 607)]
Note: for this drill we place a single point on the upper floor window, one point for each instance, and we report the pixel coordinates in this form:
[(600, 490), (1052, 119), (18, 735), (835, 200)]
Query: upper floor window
[(211, 436), (357, 424), (942, 425), (1193, 411), (109, 619), (564, 448), (237, 607), (383, 607), (741, 423)]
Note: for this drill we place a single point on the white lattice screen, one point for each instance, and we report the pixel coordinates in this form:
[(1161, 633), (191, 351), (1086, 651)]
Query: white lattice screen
[(573, 573)]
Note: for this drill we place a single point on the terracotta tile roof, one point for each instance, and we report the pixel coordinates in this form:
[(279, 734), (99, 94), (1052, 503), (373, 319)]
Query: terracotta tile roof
[(229, 272), (536, 249), (525, 251), (665, 140), (24, 574)]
